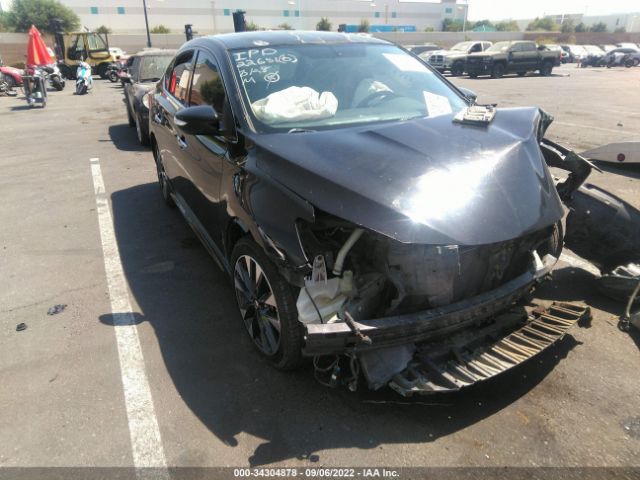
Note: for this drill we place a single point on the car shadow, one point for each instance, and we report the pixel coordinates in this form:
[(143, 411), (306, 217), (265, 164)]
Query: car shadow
[(125, 138), (628, 170), (572, 284), (190, 304)]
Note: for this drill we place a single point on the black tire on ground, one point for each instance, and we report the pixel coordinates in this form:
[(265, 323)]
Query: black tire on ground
[(457, 69), (132, 121), (473, 75), (522, 74), (547, 68), (113, 76), (267, 306), (67, 72), (163, 181), (497, 71), (11, 82), (102, 70), (57, 84), (143, 137)]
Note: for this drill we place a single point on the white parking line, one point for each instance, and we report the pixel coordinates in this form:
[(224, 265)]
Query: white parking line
[(146, 443)]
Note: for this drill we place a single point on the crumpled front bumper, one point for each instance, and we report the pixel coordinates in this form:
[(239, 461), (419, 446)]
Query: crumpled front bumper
[(339, 338)]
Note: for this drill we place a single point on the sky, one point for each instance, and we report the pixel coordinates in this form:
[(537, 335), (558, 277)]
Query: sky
[(525, 9)]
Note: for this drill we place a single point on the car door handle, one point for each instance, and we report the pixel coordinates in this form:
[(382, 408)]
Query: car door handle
[(182, 143)]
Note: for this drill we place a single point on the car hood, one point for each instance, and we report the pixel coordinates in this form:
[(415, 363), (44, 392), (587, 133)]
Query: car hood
[(426, 180)]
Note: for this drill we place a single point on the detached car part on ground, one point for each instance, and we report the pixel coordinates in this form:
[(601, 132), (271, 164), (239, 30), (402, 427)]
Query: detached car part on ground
[(313, 168)]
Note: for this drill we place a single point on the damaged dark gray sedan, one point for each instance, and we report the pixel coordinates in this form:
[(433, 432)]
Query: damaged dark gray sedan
[(370, 215)]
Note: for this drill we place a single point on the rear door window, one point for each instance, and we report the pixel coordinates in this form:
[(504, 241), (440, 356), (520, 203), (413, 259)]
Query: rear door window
[(178, 78)]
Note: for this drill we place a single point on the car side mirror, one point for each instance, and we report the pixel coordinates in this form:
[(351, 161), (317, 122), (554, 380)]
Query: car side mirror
[(469, 95), (198, 120)]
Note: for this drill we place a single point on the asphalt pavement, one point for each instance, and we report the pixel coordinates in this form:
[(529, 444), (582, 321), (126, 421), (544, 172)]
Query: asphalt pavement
[(68, 379)]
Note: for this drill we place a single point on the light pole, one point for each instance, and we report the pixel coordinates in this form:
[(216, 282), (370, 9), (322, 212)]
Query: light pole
[(146, 22), (464, 22)]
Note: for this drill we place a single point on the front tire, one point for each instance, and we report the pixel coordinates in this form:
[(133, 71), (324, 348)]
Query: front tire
[(143, 137), (497, 71), (522, 74), (547, 68), (267, 306)]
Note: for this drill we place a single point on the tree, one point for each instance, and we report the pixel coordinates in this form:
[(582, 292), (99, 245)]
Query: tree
[(507, 26), (103, 29), (620, 30), (25, 13), (581, 27), (251, 26), (285, 26), (598, 27), (4, 21), (160, 29), (429, 29), (449, 25), (545, 24), (324, 25), (364, 26), (568, 26), (482, 25)]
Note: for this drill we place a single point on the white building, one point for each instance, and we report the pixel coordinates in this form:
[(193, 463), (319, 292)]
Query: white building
[(209, 16)]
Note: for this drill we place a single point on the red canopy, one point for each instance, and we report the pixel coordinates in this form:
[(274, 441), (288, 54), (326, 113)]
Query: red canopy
[(37, 53)]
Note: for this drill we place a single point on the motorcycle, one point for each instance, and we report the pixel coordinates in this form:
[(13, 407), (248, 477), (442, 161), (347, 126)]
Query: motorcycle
[(35, 86), (112, 72), (5, 88), (84, 81), (56, 80), (13, 76)]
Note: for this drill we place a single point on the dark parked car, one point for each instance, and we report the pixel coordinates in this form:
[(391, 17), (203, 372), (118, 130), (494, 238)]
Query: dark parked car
[(367, 213), (454, 60), (146, 68), (512, 57)]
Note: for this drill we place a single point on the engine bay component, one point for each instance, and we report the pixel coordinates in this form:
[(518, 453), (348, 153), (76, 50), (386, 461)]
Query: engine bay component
[(474, 355)]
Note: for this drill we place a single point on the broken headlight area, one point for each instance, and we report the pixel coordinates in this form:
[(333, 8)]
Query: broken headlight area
[(373, 299)]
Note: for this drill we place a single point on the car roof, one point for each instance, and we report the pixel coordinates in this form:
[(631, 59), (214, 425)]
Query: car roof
[(155, 51), (282, 37)]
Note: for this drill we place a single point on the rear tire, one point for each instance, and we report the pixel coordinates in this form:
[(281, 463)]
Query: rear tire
[(267, 306), (522, 74), (102, 70), (497, 71), (473, 75), (547, 68), (10, 81)]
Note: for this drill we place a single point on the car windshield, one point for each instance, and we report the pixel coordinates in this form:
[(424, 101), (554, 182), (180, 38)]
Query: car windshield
[(462, 46), (499, 47), (328, 86), (152, 67)]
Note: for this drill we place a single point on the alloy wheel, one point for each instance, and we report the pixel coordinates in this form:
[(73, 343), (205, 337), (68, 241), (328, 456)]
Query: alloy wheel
[(257, 304)]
